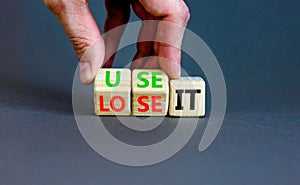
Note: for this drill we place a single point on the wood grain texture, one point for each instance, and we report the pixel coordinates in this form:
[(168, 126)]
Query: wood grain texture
[(150, 93), (113, 86), (187, 97)]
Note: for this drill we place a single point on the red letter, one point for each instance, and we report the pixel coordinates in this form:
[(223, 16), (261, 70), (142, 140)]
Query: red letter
[(154, 104), (101, 104), (140, 101), (112, 103)]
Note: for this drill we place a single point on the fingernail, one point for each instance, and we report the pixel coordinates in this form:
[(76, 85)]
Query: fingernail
[(86, 73), (91, 61)]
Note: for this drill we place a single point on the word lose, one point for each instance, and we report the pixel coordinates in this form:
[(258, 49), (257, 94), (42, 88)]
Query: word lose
[(147, 93)]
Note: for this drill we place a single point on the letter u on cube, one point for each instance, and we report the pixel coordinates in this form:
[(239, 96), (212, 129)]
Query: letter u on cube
[(112, 91)]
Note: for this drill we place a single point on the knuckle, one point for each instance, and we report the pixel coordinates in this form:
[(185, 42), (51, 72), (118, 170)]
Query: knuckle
[(80, 45), (55, 5), (181, 14), (188, 15), (59, 6), (51, 4), (185, 15)]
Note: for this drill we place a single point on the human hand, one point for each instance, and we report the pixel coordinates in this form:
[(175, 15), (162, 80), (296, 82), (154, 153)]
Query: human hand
[(83, 32)]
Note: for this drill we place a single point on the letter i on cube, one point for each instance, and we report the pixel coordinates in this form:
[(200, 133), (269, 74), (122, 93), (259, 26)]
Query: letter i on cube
[(150, 93), (187, 97), (112, 90)]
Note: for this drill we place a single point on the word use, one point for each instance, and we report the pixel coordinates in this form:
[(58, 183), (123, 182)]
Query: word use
[(147, 93)]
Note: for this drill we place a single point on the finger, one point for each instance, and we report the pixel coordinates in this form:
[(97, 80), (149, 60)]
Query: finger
[(82, 31), (174, 16), (147, 34), (151, 63), (144, 49), (118, 13)]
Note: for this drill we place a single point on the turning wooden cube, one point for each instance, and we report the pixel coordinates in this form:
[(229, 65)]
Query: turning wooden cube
[(187, 97), (112, 90), (150, 93)]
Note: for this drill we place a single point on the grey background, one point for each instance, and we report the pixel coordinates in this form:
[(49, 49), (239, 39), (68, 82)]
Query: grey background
[(257, 45)]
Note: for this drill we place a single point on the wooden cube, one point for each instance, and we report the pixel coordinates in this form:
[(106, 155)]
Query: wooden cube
[(150, 93), (112, 91), (187, 97)]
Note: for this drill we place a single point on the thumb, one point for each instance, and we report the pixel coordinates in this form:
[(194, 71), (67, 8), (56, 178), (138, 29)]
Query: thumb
[(83, 32)]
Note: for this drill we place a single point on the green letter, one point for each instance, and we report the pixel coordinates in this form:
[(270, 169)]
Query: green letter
[(107, 79), (140, 77), (155, 79)]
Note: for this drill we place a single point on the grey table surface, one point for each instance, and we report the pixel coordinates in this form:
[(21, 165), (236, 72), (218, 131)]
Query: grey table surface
[(257, 44)]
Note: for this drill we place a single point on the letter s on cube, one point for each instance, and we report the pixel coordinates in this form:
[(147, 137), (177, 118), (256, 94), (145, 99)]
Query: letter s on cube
[(150, 93)]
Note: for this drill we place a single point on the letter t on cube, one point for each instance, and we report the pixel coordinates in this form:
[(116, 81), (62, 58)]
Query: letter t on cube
[(187, 97), (112, 90)]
